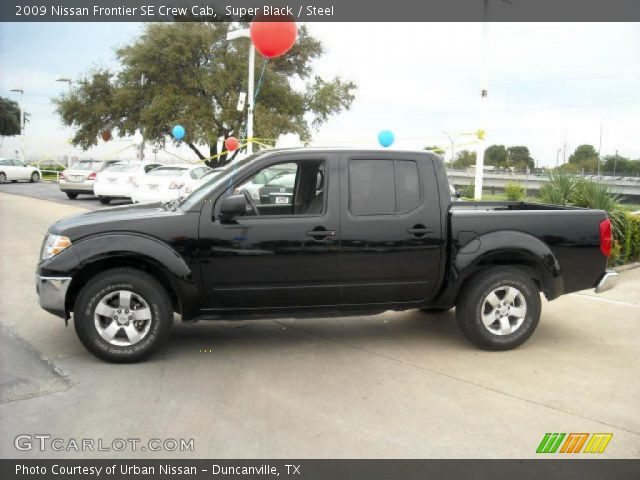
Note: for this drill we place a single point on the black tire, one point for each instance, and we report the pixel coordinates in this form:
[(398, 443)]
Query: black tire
[(3, 177), (435, 309), (71, 195), (35, 177), (142, 286), (474, 301), (105, 200)]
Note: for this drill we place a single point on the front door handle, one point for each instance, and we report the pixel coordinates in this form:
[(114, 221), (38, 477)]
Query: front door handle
[(319, 233)]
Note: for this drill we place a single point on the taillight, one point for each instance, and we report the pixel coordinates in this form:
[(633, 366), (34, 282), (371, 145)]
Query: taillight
[(92, 176), (61, 176), (605, 237)]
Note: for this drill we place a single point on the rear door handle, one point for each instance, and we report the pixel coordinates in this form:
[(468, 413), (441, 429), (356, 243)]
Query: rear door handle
[(419, 230)]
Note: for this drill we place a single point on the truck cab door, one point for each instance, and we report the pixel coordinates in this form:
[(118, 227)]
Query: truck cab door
[(390, 229), (284, 251)]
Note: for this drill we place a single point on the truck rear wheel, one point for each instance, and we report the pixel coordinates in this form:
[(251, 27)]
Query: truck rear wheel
[(499, 310), (123, 315)]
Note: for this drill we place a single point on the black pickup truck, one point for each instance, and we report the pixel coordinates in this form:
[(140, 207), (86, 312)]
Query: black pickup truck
[(361, 232)]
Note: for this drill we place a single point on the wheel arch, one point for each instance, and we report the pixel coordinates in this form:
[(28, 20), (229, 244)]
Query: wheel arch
[(102, 264), (104, 252), (504, 249)]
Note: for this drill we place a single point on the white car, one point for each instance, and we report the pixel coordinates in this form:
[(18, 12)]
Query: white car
[(168, 182), (13, 170), (117, 180)]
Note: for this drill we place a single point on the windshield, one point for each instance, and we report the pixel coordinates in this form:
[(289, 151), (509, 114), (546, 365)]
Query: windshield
[(121, 167), (213, 180), (167, 171), (87, 165)]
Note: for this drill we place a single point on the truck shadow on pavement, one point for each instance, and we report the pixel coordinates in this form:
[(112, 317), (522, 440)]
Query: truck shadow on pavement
[(432, 331)]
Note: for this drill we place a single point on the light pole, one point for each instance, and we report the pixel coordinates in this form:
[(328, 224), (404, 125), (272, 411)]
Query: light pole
[(244, 33), (483, 106), (21, 92), (68, 81), (451, 139)]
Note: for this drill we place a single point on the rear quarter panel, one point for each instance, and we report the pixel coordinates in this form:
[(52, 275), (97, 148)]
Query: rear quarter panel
[(565, 242)]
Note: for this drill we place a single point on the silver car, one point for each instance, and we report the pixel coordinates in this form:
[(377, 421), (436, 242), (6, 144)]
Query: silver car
[(79, 178)]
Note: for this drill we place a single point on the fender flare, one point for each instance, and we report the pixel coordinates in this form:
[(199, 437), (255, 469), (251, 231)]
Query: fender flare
[(146, 249), (506, 248)]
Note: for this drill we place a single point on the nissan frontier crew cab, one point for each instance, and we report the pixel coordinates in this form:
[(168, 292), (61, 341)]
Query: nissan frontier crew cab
[(355, 232)]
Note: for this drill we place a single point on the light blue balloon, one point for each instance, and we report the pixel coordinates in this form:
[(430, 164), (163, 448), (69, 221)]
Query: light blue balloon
[(386, 138), (178, 132)]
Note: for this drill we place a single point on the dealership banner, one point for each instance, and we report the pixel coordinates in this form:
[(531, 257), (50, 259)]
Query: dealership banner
[(585, 469), (319, 10)]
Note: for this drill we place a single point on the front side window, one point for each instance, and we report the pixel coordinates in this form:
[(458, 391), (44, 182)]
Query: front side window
[(295, 188), (383, 187)]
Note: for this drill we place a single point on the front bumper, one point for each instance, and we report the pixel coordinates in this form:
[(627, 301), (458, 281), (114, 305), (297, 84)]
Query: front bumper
[(607, 281), (52, 293)]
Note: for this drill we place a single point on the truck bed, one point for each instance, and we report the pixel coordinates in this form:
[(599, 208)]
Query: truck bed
[(568, 238)]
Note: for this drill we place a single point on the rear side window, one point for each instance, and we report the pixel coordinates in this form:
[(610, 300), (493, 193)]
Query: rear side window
[(383, 187)]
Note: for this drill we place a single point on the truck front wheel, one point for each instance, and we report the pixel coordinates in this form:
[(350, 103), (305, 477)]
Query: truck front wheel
[(123, 315), (499, 310)]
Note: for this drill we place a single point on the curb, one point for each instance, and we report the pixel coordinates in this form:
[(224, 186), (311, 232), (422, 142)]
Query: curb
[(629, 266)]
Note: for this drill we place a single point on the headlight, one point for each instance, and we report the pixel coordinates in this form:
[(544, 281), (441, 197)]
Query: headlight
[(53, 245)]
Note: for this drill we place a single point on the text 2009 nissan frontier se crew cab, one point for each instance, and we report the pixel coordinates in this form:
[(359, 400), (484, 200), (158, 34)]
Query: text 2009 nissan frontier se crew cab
[(317, 232)]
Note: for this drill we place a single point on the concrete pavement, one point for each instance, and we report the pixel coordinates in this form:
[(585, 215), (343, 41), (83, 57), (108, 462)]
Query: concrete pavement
[(396, 385)]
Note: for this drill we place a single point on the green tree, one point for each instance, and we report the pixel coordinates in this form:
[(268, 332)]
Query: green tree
[(9, 118), (520, 158), (194, 77), (464, 159), (496, 155), (585, 157)]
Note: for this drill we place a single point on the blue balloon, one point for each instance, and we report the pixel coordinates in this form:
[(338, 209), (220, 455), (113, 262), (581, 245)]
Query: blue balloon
[(178, 132), (386, 138)]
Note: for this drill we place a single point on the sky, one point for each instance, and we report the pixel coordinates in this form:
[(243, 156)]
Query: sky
[(549, 84)]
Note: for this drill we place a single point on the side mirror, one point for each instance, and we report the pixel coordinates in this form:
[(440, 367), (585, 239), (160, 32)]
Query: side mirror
[(232, 206)]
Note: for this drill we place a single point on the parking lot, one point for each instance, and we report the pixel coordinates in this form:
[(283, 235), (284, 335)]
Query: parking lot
[(395, 385)]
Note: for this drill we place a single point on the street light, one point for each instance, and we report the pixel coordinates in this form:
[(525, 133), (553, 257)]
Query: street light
[(65, 79), (244, 33), (21, 92)]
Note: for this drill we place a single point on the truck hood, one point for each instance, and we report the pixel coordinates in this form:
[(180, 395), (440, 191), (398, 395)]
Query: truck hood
[(121, 218)]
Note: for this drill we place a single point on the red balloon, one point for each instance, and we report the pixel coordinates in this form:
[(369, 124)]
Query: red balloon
[(231, 144), (273, 39)]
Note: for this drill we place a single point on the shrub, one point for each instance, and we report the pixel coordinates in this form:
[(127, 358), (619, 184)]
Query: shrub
[(514, 191), (590, 194), (630, 239), (559, 189), (467, 191)]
